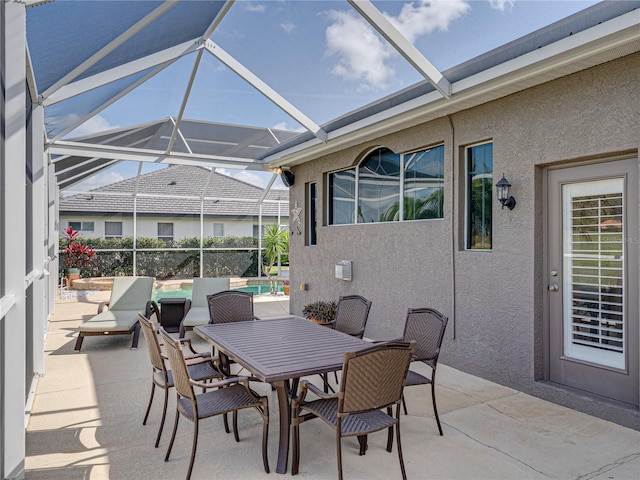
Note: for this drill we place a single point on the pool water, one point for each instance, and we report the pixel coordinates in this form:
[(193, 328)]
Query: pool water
[(186, 290)]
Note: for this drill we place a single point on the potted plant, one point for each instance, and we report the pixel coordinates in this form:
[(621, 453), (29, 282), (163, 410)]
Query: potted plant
[(320, 311), (74, 255), (285, 287)]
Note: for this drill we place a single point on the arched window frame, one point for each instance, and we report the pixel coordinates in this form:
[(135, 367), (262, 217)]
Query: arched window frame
[(337, 213)]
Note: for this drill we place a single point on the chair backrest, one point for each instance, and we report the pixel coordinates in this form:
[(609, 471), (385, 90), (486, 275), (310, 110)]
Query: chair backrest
[(426, 327), (130, 293), (178, 366), (230, 306), (207, 286), (149, 328), (374, 377), (352, 314)]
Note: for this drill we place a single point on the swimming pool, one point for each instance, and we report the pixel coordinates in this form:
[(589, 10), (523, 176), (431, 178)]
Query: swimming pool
[(185, 291)]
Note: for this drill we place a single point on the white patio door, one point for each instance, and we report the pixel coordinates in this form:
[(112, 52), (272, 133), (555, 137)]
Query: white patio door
[(593, 278)]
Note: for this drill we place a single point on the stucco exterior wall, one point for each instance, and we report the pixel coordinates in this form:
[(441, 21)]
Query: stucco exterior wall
[(494, 299)]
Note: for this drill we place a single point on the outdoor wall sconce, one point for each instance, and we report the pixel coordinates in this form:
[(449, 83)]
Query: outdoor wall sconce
[(502, 189)]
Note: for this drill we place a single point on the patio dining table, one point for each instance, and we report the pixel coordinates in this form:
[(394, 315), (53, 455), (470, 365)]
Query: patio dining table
[(280, 351)]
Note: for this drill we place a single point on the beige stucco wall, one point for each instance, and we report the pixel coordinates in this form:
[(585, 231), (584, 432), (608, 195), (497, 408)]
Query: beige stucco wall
[(494, 299)]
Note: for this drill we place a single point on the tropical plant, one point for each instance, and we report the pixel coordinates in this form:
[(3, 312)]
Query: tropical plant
[(74, 254), (322, 311), (275, 242)]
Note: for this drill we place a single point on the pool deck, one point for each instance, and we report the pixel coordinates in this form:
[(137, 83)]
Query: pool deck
[(86, 423)]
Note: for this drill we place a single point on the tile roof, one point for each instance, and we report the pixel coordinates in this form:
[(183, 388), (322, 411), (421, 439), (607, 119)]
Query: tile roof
[(174, 182)]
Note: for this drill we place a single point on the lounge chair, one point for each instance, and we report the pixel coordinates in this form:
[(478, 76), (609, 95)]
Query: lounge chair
[(129, 295), (198, 311)]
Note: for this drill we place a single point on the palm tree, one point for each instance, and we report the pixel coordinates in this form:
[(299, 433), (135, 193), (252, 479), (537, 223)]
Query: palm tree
[(275, 242)]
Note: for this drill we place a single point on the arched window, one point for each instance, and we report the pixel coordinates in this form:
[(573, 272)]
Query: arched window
[(384, 178)]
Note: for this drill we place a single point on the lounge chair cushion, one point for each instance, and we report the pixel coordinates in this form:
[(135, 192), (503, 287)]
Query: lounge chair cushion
[(196, 316), (206, 286), (111, 321)]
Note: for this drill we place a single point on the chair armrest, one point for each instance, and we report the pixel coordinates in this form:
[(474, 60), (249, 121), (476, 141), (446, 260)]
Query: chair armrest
[(102, 306), (150, 308), (306, 384), (221, 383), (187, 342), (187, 306)]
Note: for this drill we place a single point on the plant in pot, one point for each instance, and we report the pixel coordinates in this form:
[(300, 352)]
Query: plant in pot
[(74, 255), (285, 287), (320, 311)]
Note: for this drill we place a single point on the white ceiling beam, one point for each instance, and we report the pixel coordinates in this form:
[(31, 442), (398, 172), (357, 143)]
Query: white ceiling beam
[(183, 105), (267, 189), (404, 47), (163, 57), (267, 91), (110, 47), (146, 155), (112, 100)]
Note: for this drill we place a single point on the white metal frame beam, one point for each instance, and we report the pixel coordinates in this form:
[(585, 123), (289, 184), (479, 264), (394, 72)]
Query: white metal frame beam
[(267, 91), (146, 155), (404, 47)]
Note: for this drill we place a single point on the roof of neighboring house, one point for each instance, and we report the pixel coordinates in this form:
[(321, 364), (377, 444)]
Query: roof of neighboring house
[(176, 191)]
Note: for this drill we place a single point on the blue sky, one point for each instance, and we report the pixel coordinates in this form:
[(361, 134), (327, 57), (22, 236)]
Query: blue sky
[(323, 58)]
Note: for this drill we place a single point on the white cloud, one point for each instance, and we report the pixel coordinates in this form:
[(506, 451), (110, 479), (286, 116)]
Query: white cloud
[(288, 27), (99, 180), (259, 179), (501, 4), (95, 124), (364, 56), (424, 17), (362, 53), (285, 126), (259, 8)]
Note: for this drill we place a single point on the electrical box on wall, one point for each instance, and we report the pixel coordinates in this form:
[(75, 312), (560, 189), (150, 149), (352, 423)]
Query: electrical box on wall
[(343, 270)]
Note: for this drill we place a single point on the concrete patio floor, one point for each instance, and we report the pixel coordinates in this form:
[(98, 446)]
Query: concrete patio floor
[(86, 423)]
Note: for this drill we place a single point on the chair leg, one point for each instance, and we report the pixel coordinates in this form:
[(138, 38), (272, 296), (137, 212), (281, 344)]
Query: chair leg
[(435, 408), (339, 451), (404, 405), (193, 447), (146, 415), (173, 436), (265, 436), (335, 374), (390, 433), (225, 420), (164, 416), (235, 426), (295, 440), (79, 342), (362, 440), (136, 336), (404, 473)]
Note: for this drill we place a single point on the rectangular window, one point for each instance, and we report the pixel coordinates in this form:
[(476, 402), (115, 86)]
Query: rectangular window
[(311, 217), (479, 169), (342, 197), (218, 230), (424, 184), (165, 232), (82, 226), (112, 229)]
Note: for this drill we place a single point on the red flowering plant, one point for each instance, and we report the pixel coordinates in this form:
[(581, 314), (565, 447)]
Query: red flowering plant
[(75, 255)]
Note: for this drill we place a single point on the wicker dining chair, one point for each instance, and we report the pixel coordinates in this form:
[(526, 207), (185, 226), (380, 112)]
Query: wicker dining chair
[(372, 379), (230, 306), (351, 318), (426, 327), (201, 366), (231, 395)]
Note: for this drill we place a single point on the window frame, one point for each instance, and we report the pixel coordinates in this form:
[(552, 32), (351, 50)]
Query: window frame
[(401, 191), (467, 197), (106, 235), (166, 238), (83, 225), (311, 214)]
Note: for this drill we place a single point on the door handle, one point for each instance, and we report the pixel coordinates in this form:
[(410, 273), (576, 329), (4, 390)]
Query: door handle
[(553, 287)]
